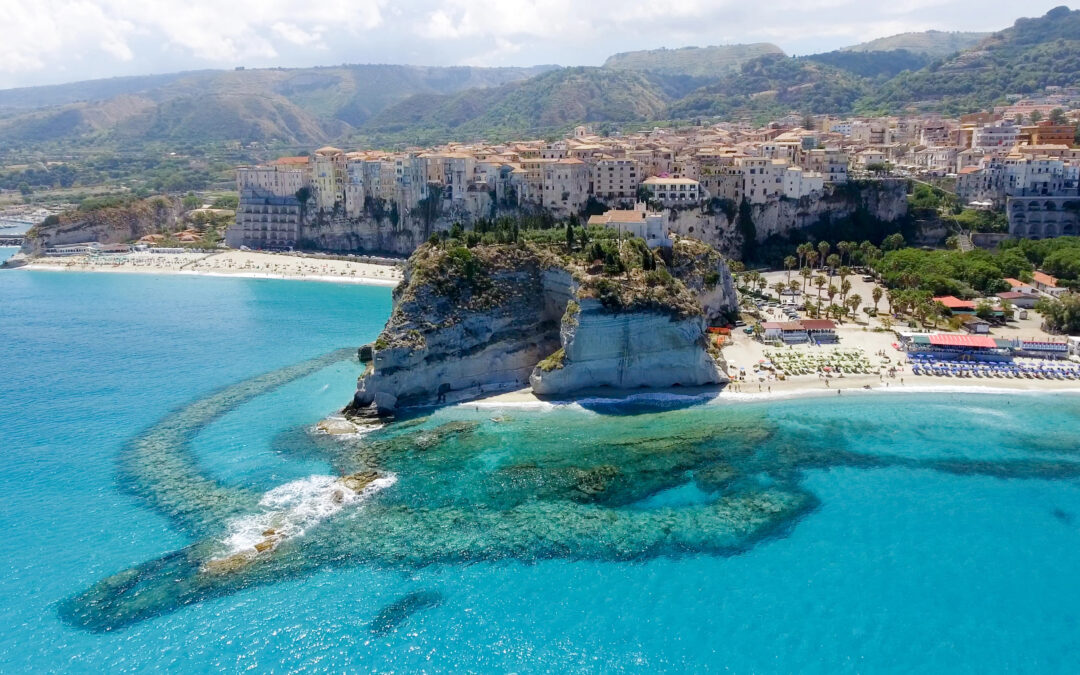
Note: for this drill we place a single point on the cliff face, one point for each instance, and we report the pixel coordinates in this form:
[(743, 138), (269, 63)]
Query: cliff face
[(884, 200), (705, 272), (626, 350), (371, 234), (472, 321), (110, 225), (464, 325)]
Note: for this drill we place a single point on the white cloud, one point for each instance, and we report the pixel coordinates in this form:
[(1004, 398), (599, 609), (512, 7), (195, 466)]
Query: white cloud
[(49, 40), (48, 34)]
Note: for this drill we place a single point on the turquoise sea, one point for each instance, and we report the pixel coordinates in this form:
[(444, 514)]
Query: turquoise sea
[(149, 424)]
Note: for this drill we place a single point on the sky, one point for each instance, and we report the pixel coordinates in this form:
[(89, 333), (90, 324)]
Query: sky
[(54, 41)]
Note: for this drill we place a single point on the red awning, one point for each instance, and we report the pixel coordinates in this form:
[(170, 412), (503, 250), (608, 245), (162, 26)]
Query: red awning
[(950, 340)]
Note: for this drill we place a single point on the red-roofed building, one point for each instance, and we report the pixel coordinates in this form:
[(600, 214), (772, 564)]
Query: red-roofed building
[(1047, 284), (291, 161), (1018, 286), (956, 305), (970, 341)]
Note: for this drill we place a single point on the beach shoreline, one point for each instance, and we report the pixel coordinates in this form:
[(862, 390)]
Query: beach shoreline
[(849, 386), (227, 264)]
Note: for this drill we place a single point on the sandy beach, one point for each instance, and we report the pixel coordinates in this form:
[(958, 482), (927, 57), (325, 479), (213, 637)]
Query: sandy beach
[(742, 353), (246, 264)]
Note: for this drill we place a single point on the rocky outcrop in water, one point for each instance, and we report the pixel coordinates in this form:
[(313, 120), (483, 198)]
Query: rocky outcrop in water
[(472, 321), (106, 225)]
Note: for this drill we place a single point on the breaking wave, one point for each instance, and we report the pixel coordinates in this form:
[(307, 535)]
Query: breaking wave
[(292, 509)]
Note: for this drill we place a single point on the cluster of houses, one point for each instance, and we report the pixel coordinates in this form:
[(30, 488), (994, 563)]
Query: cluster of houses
[(668, 168), (1021, 296), (1019, 157)]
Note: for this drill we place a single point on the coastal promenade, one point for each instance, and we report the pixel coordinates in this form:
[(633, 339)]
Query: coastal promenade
[(249, 264)]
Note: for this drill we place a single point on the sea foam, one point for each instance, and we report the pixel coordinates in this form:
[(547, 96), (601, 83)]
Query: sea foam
[(293, 508)]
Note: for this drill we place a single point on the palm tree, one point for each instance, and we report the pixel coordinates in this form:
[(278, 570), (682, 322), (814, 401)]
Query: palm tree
[(811, 258), (834, 262), (844, 248), (793, 286), (820, 282), (845, 288), (853, 302), (823, 250), (833, 290), (844, 272), (789, 263), (803, 250), (937, 310), (876, 294), (805, 273), (779, 287)]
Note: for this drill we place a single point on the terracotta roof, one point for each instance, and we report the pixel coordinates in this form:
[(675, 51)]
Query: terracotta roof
[(818, 324), (290, 160), (1045, 279), (955, 303)]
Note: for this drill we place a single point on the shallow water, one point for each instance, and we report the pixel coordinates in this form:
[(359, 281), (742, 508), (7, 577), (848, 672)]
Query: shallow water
[(152, 423)]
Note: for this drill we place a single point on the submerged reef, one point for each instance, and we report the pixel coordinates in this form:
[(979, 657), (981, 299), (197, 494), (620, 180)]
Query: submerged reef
[(459, 487)]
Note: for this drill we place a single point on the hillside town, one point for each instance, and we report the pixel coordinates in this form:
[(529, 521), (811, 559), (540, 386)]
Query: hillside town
[(1018, 158)]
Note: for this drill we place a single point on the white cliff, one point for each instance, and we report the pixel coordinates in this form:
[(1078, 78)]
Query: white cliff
[(626, 350), (469, 322)]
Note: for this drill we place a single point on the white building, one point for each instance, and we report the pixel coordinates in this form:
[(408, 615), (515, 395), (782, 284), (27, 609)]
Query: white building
[(639, 222), (800, 183), (674, 191)]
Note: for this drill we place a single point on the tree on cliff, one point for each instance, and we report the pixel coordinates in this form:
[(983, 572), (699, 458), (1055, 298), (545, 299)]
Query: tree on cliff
[(569, 236), (747, 230)]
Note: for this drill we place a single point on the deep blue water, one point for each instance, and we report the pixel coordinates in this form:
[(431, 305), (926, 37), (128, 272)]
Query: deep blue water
[(944, 531)]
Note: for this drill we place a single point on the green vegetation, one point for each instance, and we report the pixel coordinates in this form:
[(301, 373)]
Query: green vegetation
[(292, 106), (774, 85), (702, 62), (977, 220), (1059, 257), (1032, 54), (1061, 315), (964, 275), (934, 43), (550, 102), (873, 64), (259, 111), (554, 361)]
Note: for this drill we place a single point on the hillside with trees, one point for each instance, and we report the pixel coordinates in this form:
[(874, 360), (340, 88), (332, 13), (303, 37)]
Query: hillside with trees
[(549, 102), (932, 43), (774, 84), (1023, 59), (705, 62), (390, 105), (291, 106)]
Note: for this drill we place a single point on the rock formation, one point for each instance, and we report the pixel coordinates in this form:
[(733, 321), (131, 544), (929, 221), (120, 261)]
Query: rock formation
[(472, 321), (884, 200), (107, 225)]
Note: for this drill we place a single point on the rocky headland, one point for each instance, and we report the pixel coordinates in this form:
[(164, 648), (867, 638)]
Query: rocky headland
[(469, 321)]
